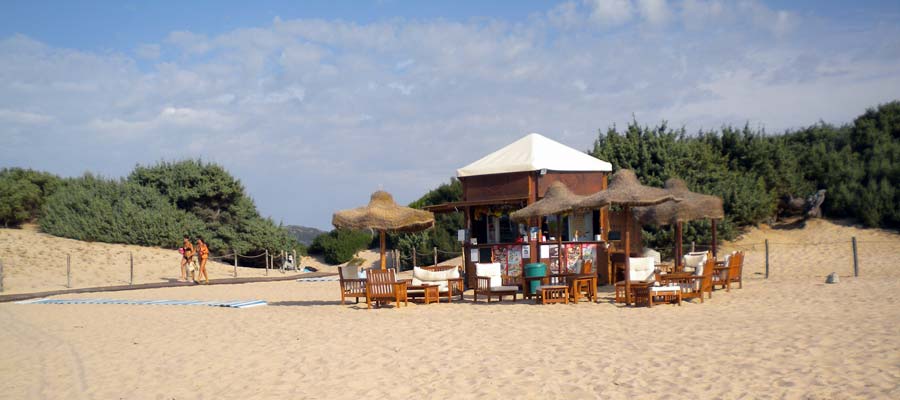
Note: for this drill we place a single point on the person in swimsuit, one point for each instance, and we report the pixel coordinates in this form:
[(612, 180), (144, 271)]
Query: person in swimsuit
[(188, 259), (203, 252)]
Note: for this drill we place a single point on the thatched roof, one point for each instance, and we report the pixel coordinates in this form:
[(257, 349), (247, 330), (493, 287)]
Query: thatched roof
[(693, 207), (383, 214), (625, 189), (558, 199)]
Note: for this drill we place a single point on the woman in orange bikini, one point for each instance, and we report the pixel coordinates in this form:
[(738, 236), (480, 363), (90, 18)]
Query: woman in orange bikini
[(203, 251)]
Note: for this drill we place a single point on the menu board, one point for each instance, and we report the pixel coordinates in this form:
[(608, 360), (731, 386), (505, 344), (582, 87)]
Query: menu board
[(573, 254), (514, 261)]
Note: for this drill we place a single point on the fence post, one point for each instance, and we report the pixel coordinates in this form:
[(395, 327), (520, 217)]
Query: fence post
[(131, 261), (855, 260), (267, 262), (693, 247), (767, 258), (435, 255), (235, 262), (1, 276), (68, 271), (296, 260)]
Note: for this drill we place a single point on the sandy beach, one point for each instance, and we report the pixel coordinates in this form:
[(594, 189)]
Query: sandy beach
[(790, 336)]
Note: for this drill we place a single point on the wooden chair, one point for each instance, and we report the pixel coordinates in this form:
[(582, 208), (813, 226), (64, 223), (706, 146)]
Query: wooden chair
[(692, 285), (382, 287), (547, 279), (492, 282), (583, 284), (735, 270), (351, 284), (643, 270)]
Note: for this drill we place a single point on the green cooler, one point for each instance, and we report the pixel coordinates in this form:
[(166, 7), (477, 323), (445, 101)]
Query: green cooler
[(534, 269)]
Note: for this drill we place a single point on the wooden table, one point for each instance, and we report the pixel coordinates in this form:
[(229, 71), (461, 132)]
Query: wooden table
[(620, 289), (431, 293), (668, 294), (550, 294)]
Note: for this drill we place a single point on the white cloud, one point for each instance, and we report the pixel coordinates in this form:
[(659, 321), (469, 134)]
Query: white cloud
[(148, 51), (655, 12), (339, 107), (611, 12)]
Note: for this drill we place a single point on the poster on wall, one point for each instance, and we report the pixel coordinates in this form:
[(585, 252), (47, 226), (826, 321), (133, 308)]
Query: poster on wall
[(589, 252), (573, 254), (514, 261), (545, 251), (526, 252), (500, 256)]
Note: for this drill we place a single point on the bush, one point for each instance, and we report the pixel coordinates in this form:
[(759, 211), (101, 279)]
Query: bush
[(22, 194), (340, 245), (96, 209)]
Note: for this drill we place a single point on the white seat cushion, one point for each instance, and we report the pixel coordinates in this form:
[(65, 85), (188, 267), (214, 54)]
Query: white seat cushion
[(500, 288), (694, 262), (642, 268), (491, 270), (664, 288)]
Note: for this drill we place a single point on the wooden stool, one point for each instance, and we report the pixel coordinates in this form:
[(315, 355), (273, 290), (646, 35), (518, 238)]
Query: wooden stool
[(431, 293), (553, 294)]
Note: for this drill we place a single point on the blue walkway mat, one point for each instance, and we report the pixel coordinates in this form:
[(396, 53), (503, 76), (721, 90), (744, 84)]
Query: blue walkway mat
[(228, 304)]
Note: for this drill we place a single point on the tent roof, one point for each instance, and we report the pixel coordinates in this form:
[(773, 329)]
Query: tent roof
[(532, 153)]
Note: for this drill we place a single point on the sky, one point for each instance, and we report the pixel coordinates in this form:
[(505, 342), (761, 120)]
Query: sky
[(314, 105)]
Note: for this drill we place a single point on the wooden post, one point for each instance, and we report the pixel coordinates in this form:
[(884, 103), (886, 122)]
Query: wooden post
[(855, 260), (693, 247), (679, 251), (1, 276), (435, 254), (235, 262), (296, 260), (131, 258), (767, 258), (714, 241), (383, 246), (68, 271), (267, 262), (628, 256)]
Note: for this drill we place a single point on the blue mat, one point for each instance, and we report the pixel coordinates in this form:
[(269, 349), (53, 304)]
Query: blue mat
[(228, 304)]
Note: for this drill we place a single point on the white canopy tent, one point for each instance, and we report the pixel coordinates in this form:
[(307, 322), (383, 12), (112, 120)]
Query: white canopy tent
[(534, 152)]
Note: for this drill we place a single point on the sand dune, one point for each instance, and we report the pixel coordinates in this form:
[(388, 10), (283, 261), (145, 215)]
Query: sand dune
[(786, 337)]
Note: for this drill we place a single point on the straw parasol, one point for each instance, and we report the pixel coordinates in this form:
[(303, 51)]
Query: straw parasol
[(625, 190), (695, 206), (558, 200), (384, 215)]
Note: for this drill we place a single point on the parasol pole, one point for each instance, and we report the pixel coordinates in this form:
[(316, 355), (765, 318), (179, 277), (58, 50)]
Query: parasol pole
[(679, 249), (627, 256), (381, 240), (559, 243)]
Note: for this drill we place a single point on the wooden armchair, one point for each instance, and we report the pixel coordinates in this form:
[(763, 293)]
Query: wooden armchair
[(382, 287), (693, 285), (492, 282), (735, 270), (643, 270), (351, 284), (584, 283)]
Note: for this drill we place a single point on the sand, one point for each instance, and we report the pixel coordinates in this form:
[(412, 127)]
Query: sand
[(786, 337)]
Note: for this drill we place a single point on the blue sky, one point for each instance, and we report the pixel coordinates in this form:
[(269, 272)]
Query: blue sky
[(314, 105)]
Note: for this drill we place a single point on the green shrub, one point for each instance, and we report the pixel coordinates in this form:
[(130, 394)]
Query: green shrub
[(340, 245), (22, 194), (96, 209)]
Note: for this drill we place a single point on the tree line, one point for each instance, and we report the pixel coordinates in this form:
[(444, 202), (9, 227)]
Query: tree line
[(153, 206)]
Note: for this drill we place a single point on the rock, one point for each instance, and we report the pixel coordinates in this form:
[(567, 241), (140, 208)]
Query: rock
[(832, 278)]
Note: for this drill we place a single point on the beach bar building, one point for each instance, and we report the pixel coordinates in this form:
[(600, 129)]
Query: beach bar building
[(518, 175)]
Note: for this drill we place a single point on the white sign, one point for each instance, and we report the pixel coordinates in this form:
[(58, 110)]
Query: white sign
[(526, 252), (545, 251), (473, 255), (461, 235)]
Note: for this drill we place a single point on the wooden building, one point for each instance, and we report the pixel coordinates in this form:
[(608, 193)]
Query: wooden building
[(515, 176)]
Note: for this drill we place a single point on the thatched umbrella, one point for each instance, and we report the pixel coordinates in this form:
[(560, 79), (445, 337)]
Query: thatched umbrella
[(695, 206), (557, 201), (383, 215), (625, 190)]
